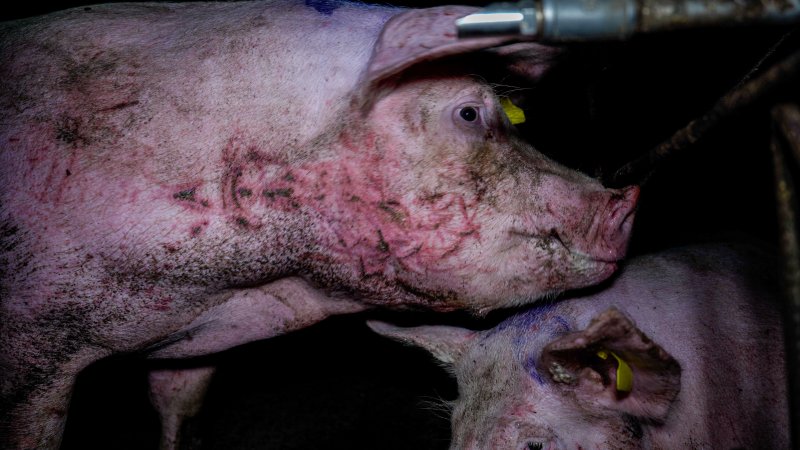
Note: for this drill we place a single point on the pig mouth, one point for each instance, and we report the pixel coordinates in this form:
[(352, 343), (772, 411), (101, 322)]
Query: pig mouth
[(551, 240)]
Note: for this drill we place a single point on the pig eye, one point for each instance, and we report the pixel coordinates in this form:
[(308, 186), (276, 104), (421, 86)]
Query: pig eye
[(534, 446), (468, 113)]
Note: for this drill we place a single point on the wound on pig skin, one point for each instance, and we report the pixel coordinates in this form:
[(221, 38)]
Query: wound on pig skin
[(283, 192), (187, 195), (382, 245), (561, 374)]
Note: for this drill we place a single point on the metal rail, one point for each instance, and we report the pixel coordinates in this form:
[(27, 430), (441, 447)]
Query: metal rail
[(730, 105), (584, 20), (786, 143)]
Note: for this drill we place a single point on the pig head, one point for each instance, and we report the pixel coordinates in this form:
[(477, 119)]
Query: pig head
[(566, 397), (434, 199), (583, 373)]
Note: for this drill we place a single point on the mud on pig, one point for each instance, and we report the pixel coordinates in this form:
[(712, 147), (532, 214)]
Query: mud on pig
[(178, 179), (683, 350)]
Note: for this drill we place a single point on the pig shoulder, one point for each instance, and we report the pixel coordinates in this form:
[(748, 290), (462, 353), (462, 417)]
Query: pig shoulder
[(118, 121)]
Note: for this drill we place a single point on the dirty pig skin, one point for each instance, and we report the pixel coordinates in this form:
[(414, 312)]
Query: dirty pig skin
[(178, 179), (698, 329)]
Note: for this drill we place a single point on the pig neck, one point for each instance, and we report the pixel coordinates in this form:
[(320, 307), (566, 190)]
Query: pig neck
[(315, 211)]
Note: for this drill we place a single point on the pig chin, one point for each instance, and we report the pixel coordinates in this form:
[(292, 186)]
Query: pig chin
[(578, 270), (549, 269)]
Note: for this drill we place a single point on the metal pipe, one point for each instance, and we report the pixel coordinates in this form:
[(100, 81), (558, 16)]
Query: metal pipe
[(734, 102), (585, 20), (787, 121)]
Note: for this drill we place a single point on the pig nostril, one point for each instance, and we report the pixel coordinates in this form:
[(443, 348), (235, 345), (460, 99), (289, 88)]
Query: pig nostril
[(631, 194), (553, 235)]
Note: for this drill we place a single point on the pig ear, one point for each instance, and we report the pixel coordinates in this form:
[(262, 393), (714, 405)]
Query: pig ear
[(527, 60), (614, 365), (420, 35), (445, 343)]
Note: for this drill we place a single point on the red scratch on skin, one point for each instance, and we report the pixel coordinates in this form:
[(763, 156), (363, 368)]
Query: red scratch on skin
[(197, 228), (56, 182), (161, 303), (246, 170), (369, 225), (188, 195)]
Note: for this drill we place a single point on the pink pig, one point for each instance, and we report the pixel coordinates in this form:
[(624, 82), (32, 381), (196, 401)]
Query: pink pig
[(683, 350), (179, 179)]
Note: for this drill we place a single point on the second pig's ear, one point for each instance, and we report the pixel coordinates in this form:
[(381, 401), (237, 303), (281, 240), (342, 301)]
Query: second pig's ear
[(445, 343), (614, 365), (420, 35)]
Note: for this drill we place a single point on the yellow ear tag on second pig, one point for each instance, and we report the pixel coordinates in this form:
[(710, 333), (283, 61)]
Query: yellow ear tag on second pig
[(624, 372), (515, 114)]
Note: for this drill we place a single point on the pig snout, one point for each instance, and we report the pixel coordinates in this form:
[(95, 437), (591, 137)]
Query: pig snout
[(599, 225), (595, 224), (614, 227)]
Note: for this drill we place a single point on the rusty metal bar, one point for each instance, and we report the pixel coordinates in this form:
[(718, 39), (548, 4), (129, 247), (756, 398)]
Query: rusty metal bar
[(787, 131), (660, 15), (558, 21), (731, 104)]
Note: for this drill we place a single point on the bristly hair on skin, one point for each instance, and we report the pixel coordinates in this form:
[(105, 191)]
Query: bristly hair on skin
[(442, 409), (505, 90)]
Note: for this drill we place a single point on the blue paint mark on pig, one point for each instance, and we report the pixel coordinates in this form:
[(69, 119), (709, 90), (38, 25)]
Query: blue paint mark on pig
[(326, 7), (530, 367), (562, 322), (530, 319)]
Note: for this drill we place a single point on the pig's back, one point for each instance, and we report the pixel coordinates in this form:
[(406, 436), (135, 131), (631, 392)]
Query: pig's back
[(161, 85), (108, 113)]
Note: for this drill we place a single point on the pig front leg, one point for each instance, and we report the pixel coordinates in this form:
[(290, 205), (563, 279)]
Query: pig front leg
[(38, 421), (177, 395), (35, 396), (250, 314)]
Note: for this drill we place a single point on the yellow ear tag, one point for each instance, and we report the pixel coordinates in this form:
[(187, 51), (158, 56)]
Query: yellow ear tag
[(624, 372), (515, 114)]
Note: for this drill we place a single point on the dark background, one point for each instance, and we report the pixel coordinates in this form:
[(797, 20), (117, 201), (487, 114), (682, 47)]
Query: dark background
[(335, 385)]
